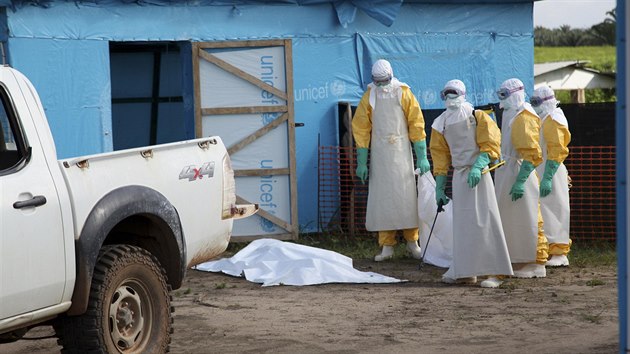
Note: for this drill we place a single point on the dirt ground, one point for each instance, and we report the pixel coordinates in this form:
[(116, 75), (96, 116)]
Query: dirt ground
[(573, 310)]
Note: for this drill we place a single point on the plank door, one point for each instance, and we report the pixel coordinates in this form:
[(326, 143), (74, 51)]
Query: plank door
[(244, 94)]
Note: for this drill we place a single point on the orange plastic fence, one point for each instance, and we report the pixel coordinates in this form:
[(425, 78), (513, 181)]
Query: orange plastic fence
[(592, 194), (342, 198)]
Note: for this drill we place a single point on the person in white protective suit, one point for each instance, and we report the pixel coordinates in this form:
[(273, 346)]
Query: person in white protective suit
[(515, 184), (468, 140), (554, 188), (388, 120)]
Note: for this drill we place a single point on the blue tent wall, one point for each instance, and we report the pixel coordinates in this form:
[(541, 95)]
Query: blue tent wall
[(63, 49), (72, 79)]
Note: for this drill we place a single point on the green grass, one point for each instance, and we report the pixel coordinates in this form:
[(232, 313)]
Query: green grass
[(595, 282), (602, 58), (593, 254), (584, 254)]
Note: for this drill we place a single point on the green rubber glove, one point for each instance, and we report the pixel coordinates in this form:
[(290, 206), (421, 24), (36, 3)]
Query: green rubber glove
[(474, 175), (420, 148), (440, 190), (551, 167), (518, 188), (362, 170)]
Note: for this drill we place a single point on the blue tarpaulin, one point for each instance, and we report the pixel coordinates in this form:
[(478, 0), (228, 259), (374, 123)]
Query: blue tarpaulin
[(63, 47)]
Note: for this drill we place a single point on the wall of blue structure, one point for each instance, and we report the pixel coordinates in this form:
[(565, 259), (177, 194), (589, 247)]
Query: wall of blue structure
[(64, 50)]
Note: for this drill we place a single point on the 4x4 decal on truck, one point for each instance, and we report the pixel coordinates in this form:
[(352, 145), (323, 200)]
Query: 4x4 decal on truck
[(192, 173)]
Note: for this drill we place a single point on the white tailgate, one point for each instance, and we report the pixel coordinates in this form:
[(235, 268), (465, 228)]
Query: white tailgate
[(197, 200)]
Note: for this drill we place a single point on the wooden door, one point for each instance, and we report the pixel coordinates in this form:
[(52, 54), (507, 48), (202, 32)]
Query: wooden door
[(244, 94)]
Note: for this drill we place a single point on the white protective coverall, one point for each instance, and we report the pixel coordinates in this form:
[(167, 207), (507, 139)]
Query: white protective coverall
[(457, 139), (554, 140), (521, 219), (388, 118)]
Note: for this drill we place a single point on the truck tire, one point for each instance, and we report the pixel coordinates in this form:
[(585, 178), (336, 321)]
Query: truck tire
[(129, 309)]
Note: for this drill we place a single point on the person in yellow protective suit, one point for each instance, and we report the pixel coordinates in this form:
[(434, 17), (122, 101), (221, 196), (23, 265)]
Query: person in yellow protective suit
[(469, 139), (387, 118), (554, 188), (515, 184)]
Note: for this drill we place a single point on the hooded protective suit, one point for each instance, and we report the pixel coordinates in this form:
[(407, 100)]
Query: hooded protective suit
[(554, 203), (520, 212), (458, 138), (387, 119)]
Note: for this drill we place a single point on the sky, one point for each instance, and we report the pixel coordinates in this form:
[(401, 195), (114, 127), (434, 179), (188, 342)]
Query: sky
[(575, 13)]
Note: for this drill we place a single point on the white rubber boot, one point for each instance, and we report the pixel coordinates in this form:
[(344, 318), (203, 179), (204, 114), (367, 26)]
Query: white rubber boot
[(558, 261), (491, 282), (386, 253), (531, 270), (415, 250)]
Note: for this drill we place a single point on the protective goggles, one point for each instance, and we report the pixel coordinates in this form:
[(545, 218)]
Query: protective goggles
[(450, 93), (537, 101), (382, 81), (504, 92)]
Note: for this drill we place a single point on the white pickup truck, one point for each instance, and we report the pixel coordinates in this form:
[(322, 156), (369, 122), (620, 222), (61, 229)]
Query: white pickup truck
[(93, 245)]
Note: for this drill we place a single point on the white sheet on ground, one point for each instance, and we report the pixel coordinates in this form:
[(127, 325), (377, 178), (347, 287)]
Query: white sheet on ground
[(274, 262), (440, 251)]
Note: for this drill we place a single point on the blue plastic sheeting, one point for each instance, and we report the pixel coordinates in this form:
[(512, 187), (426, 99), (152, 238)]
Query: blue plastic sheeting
[(64, 50), (72, 79), (384, 11)]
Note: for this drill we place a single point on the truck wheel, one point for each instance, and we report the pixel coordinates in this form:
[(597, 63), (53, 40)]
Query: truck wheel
[(129, 310)]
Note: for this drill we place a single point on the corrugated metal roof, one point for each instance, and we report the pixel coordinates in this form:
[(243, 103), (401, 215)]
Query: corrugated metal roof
[(571, 75), (544, 68)]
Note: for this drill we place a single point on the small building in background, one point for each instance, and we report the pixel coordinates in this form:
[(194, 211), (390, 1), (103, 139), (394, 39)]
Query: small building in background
[(572, 76)]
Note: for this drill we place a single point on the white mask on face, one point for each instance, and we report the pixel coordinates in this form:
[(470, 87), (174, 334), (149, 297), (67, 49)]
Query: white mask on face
[(539, 110), (385, 88), (454, 103)]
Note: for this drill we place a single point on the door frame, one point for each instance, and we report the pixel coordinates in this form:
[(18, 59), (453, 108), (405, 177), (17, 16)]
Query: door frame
[(287, 114)]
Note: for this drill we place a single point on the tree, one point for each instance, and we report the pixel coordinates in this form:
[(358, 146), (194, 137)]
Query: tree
[(599, 34), (605, 32)]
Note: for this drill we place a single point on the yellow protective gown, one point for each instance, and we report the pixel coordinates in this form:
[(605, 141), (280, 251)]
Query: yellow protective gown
[(479, 246), (386, 121), (521, 219), (554, 140)]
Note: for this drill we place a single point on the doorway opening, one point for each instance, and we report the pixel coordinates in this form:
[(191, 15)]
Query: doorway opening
[(151, 95)]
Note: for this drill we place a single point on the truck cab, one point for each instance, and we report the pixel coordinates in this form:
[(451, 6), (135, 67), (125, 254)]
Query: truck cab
[(94, 244)]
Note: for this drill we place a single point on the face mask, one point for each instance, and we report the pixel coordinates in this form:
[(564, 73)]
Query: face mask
[(539, 110), (454, 103)]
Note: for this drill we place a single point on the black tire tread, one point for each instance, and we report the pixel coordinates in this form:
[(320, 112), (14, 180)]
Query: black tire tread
[(81, 334)]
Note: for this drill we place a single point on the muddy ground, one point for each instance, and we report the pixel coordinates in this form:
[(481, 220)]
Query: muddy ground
[(573, 310)]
